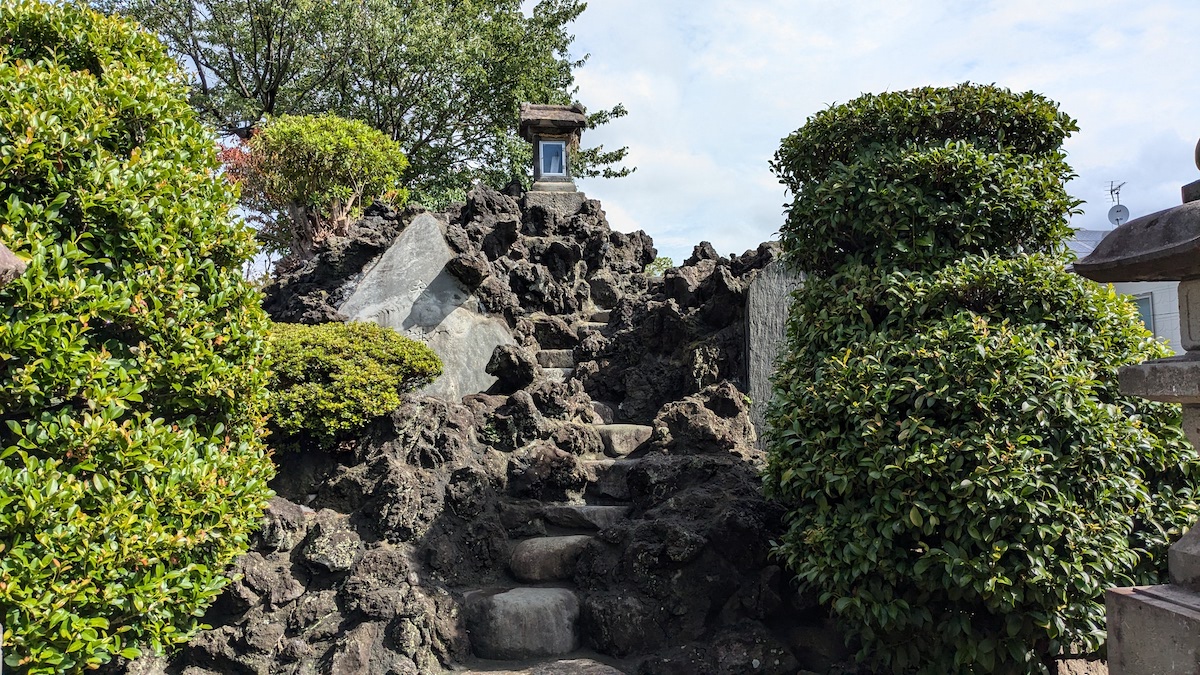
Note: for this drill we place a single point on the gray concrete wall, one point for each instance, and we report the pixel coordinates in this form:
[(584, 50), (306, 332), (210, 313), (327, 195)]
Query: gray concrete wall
[(410, 290), (767, 304)]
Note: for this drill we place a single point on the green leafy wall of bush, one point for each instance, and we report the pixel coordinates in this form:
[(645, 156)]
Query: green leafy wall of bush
[(131, 385), (962, 476), (332, 379)]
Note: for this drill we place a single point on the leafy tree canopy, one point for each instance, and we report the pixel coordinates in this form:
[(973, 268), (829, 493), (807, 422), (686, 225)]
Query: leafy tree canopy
[(444, 79)]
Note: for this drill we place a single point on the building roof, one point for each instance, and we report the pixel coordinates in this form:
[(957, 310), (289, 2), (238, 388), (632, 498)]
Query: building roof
[(1085, 241)]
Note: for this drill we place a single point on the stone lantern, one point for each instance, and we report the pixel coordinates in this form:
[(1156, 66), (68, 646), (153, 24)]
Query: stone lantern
[(1155, 630), (554, 131)]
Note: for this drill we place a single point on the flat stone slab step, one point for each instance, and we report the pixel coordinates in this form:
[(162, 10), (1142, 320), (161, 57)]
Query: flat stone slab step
[(556, 358), (584, 516), (563, 667), (585, 328), (608, 478), (602, 316), (547, 558), (558, 374), (622, 439), (522, 623)]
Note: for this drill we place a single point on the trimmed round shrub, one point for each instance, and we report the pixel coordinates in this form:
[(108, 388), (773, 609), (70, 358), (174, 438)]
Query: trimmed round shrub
[(919, 178), (321, 170), (961, 475), (332, 379), (131, 378)]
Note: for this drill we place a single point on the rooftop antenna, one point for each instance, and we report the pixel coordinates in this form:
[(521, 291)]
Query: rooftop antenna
[(1118, 213)]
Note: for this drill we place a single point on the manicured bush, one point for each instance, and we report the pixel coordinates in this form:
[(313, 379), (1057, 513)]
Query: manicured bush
[(319, 170), (962, 476), (332, 379), (131, 383)]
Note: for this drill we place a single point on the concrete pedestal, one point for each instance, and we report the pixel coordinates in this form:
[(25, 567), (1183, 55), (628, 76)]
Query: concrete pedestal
[(1153, 630), (564, 203)]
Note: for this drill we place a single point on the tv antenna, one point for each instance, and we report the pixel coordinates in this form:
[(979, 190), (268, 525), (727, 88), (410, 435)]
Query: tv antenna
[(1114, 191), (1118, 213)]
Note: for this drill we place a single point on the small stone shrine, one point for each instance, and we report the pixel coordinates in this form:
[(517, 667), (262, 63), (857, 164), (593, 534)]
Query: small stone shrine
[(555, 131), (1155, 630)]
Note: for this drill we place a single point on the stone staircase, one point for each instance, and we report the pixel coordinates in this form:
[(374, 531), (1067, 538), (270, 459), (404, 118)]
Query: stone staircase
[(536, 615)]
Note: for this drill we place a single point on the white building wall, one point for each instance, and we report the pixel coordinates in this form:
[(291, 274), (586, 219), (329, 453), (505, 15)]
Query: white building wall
[(1164, 298)]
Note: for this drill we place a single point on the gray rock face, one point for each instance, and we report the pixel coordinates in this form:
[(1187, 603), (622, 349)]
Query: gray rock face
[(585, 516), (767, 304), (686, 332), (623, 439), (564, 667), (284, 525), (556, 358), (332, 544), (411, 290), (715, 420), (367, 576), (523, 622), (547, 558), (11, 266)]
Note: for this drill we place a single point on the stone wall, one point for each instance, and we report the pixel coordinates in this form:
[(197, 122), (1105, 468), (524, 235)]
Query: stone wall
[(767, 305)]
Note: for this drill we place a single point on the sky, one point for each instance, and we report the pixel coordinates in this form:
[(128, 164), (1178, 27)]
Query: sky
[(713, 86)]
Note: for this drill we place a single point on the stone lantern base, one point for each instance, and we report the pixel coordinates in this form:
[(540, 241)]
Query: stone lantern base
[(562, 203), (553, 186), (1153, 630)]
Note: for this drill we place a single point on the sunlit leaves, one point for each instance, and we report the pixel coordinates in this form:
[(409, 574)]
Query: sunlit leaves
[(331, 379), (131, 378)]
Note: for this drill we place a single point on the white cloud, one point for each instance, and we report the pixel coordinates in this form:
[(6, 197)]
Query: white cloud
[(713, 85)]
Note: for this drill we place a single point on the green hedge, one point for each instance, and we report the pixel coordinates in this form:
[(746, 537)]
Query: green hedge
[(132, 388), (919, 178), (962, 476), (332, 379)]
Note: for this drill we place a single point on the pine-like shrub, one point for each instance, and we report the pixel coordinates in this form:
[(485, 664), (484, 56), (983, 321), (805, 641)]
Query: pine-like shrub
[(320, 171), (332, 379), (131, 385), (962, 477)]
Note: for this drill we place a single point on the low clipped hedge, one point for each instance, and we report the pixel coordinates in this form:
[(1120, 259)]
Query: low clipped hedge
[(132, 390), (332, 379)]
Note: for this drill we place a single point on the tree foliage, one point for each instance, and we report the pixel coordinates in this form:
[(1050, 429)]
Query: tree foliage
[(444, 79), (962, 476), (320, 171), (331, 379), (659, 265), (131, 385)]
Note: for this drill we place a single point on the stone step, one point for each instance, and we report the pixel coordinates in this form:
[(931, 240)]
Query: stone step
[(556, 358), (584, 516), (586, 328), (522, 623), (604, 411), (547, 558), (602, 316), (622, 439), (560, 667), (607, 478), (558, 374)]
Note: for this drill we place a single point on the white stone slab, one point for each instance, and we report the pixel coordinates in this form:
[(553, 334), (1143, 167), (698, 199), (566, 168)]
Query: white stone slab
[(410, 290)]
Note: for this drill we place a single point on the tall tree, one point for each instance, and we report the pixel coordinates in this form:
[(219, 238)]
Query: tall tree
[(443, 78)]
